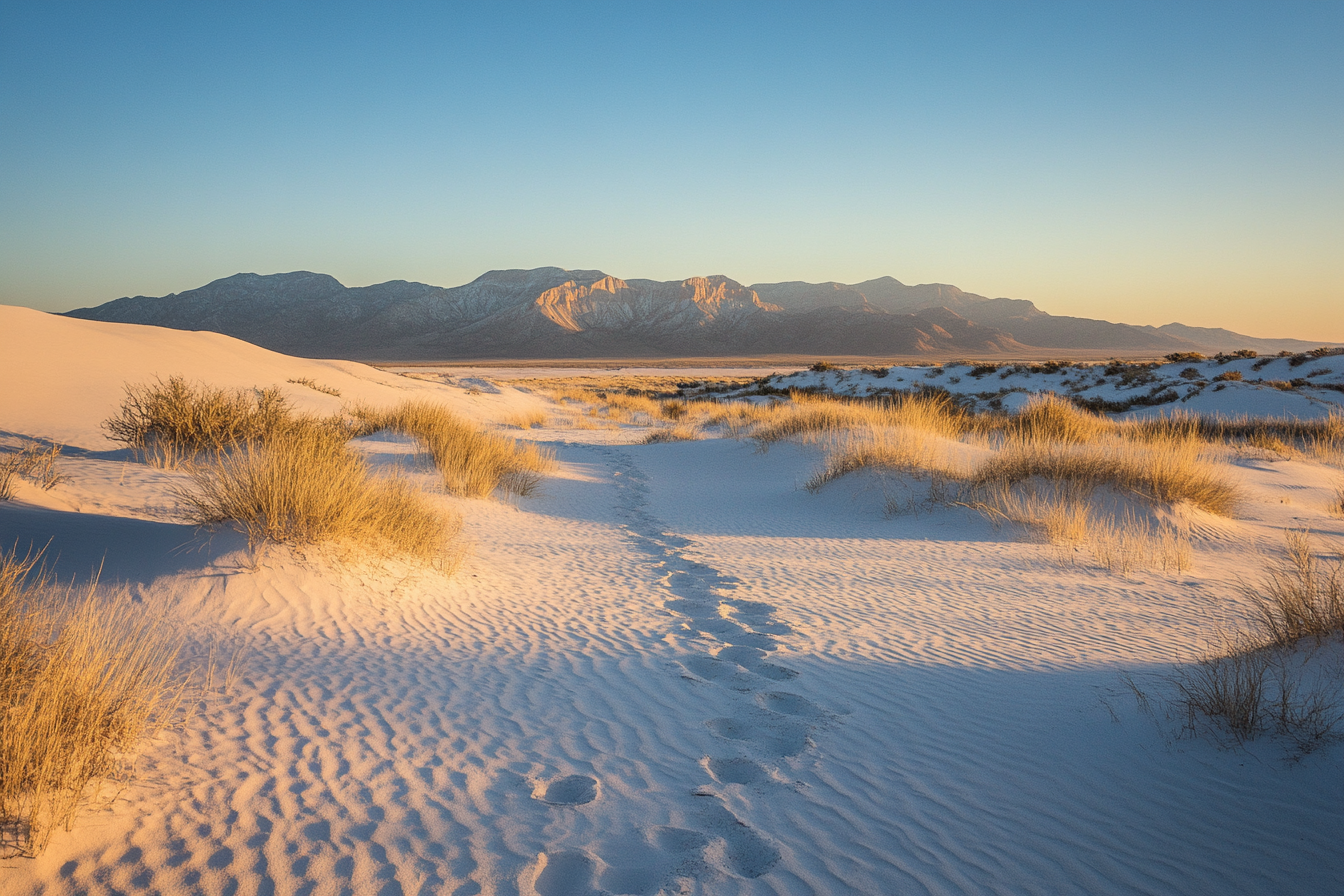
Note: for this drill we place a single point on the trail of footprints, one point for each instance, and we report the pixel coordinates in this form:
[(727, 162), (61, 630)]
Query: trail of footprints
[(731, 640)]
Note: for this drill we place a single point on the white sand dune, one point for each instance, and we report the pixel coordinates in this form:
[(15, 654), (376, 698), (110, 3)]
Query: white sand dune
[(672, 671)]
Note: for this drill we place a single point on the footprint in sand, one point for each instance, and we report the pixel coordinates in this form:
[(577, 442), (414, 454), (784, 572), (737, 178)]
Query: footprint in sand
[(736, 770), (790, 705), (773, 734), (568, 873), (571, 790)]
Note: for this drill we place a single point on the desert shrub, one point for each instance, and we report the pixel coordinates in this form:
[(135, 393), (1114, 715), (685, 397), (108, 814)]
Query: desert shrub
[(1281, 385), (83, 678), (170, 421), (877, 372), (1228, 376), (472, 463), (821, 366), (672, 410), (1302, 596), (980, 370), (304, 486), (1184, 357)]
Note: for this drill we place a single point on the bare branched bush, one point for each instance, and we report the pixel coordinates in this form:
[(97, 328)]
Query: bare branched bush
[(1301, 597), (171, 421), (304, 486), (472, 463), (83, 678)]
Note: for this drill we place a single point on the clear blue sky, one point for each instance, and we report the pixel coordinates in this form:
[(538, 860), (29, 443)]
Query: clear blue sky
[(1141, 162)]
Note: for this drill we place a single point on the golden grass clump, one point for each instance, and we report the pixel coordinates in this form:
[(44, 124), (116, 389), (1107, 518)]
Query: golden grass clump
[(901, 449), (1047, 417), (808, 419), (472, 463), (676, 432), (171, 421), (83, 678), (1168, 471), (527, 420), (304, 486)]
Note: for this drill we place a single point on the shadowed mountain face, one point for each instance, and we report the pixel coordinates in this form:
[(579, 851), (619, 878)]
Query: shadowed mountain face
[(555, 313)]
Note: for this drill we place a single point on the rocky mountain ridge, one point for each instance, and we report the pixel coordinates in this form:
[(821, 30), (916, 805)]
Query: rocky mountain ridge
[(556, 313)]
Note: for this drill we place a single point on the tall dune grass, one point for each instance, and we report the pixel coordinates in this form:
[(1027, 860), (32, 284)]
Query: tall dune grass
[(810, 419), (83, 678), (906, 449), (1168, 471), (304, 486), (473, 463)]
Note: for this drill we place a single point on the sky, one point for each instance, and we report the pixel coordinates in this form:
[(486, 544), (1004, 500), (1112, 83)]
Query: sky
[(1137, 162)]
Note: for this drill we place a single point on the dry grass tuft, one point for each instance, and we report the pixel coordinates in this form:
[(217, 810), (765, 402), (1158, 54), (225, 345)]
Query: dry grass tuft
[(1047, 417), (314, 385), (172, 421), (676, 432), (83, 677), (1303, 596), (527, 420), (34, 461), (1169, 471), (473, 463), (900, 449), (809, 419), (304, 486), (1229, 685)]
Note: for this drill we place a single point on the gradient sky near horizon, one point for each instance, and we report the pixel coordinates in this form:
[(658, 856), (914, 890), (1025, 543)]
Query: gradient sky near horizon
[(1137, 162)]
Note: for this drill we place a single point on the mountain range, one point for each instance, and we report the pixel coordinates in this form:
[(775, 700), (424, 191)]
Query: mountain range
[(557, 313)]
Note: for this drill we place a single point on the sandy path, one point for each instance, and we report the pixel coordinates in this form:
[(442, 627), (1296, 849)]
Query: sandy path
[(674, 672)]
